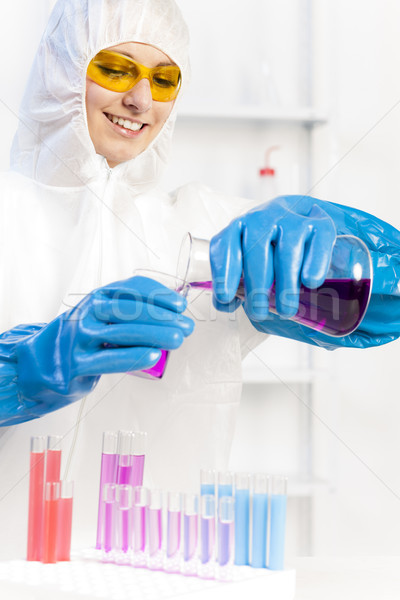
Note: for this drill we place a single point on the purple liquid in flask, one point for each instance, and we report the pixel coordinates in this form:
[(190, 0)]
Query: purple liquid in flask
[(335, 308)]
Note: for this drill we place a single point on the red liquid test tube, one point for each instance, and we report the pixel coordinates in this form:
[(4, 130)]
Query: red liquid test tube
[(65, 521), (51, 503), (36, 491), (53, 458)]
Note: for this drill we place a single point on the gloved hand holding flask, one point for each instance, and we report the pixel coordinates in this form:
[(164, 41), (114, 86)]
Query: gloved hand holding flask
[(117, 328), (289, 240)]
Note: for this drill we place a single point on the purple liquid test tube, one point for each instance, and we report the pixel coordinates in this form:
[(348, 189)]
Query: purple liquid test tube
[(109, 529), (108, 474), (139, 453), (172, 559), (190, 533), (139, 511), (154, 531), (125, 457), (124, 518), (226, 537), (206, 567)]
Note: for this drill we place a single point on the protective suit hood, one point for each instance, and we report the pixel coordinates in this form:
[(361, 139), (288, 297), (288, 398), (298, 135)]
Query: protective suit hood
[(52, 144)]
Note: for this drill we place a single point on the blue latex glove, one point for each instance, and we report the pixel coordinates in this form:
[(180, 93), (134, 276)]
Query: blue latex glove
[(115, 329), (381, 323), (282, 241)]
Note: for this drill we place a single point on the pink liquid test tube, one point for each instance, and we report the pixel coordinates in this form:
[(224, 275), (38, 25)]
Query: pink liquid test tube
[(124, 518), (139, 513), (125, 457), (53, 458), (108, 474), (139, 453), (109, 529), (36, 497), (173, 545), (154, 531), (51, 503), (190, 533), (65, 521), (207, 537)]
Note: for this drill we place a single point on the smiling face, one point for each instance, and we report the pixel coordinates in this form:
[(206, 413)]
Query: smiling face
[(122, 125)]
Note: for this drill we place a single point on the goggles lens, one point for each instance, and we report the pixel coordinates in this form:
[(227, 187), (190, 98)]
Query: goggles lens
[(119, 73)]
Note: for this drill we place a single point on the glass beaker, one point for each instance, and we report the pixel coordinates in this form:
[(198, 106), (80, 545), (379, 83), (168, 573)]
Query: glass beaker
[(173, 283), (335, 308)]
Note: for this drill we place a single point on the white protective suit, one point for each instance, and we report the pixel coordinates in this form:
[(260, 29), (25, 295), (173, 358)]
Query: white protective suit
[(69, 224)]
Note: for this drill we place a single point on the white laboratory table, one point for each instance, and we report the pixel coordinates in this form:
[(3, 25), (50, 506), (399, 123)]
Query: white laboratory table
[(360, 578)]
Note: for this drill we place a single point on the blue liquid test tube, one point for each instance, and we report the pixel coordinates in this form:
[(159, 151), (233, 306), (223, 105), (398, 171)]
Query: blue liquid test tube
[(190, 533), (225, 484), (276, 552), (259, 521), (226, 537), (242, 518), (109, 496), (206, 568), (207, 482), (174, 515)]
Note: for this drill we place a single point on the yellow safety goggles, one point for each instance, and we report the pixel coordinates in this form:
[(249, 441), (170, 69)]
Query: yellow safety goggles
[(119, 73)]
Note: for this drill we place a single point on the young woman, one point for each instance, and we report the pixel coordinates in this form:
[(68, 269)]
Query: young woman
[(81, 210)]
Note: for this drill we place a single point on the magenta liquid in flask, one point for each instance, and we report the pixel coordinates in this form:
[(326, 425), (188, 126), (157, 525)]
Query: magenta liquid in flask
[(335, 308)]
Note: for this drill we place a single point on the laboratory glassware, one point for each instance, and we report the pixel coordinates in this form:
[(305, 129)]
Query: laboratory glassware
[(226, 536), (206, 567), (190, 533), (108, 474), (53, 458), (125, 457), (207, 481), (155, 531), (225, 484), (124, 518), (335, 308), (36, 501), (65, 520), (242, 518), (276, 544), (173, 283), (50, 521), (139, 511), (259, 521), (109, 525), (174, 513), (139, 452)]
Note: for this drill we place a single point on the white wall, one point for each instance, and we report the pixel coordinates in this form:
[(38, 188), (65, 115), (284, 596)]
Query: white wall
[(357, 62)]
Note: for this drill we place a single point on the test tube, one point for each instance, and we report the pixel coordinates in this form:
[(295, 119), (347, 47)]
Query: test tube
[(225, 484), (125, 457), (207, 537), (139, 510), (139, 453), (190, 533), (242, 518), (276, 552), (51, 500), (108, 474), (124, 518), (36, 491), (260, 521), (172, 562), (226, 536), (109, 497), (53, 458), (154, 531), (65, 520), (207, 482)]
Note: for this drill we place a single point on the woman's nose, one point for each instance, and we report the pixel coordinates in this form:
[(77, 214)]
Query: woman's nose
[(139, 97)]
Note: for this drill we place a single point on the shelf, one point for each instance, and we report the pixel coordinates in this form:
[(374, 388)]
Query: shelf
[(296, 116)]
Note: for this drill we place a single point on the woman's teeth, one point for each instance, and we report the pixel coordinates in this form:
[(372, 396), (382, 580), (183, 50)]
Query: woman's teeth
[(125, 123)]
